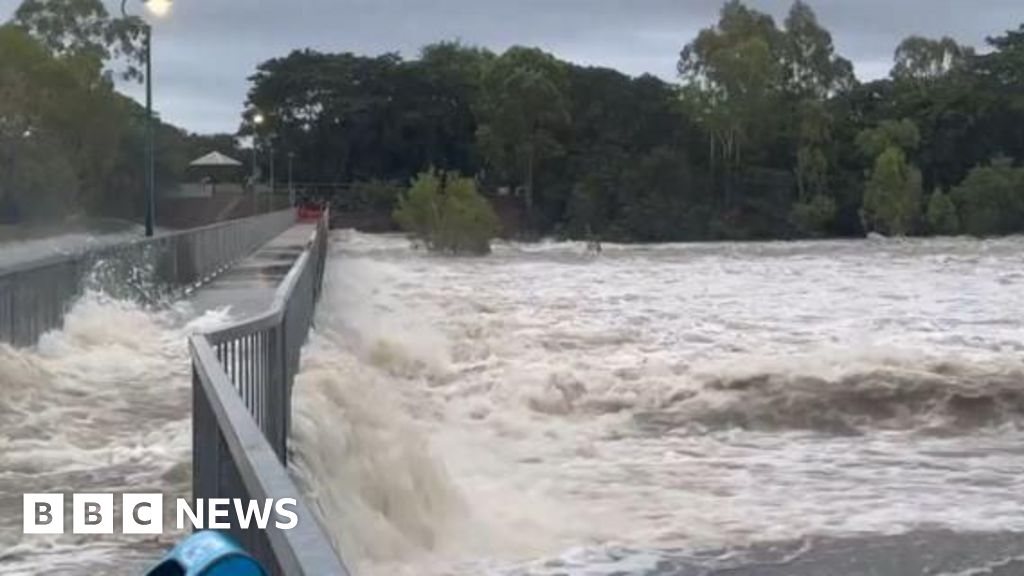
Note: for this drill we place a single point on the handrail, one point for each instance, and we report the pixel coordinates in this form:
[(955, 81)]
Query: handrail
[(301, 550), (242, 380), (59, 258), (35, 295)]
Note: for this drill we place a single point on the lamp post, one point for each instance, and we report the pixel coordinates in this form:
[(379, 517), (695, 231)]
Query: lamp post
[(158, 8), (257, 121), (291, 182), (270, 146)]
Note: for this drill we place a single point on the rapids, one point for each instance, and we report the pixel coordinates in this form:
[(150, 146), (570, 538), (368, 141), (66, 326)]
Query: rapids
[(101, 406), (545, 411)]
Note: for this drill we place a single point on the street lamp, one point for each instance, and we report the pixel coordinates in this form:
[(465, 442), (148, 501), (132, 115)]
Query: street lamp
[(257, 121), (157, 8), (291, 182)]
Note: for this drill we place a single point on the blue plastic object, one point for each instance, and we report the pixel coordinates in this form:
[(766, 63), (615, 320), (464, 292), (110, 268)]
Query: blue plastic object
[(207, 553)]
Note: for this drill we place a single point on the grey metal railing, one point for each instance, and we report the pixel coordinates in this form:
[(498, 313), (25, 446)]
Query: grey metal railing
[(242, 383), (35, 296)]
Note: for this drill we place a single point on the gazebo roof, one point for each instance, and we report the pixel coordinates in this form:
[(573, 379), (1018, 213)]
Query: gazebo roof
[(215, 159)]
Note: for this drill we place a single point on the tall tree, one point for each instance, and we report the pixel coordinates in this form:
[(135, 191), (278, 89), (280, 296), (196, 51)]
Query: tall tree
[(921, 59), (524, 115), (84, 31), (733, 74), (892, 195), (813, 71)]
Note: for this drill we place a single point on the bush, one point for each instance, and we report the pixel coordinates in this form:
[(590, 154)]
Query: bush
[(892, 198), (942, 218), (813, 218), (40, 184), (447, 214), (376, 195), (991, 200)]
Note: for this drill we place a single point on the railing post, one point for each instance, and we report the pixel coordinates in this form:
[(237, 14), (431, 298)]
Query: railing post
[(205, 444), (279, 391)]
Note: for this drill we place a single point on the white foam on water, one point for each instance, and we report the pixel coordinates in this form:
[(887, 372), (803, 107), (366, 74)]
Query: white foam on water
[(529, 411), (102, 405)]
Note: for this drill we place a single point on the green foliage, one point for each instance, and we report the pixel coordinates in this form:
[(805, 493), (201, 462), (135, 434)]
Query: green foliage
[(40, 185), (812, 70), (991, 200), (48, 163), (379, 195), (902, 134), (768, 126), (892, 197), (813, 218), (923, 59), (68, 142), (941, 215), (447, 214), (734, 70), (524, 115), (83, 31)]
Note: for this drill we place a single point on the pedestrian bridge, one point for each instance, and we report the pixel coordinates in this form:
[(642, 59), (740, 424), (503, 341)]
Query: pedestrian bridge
[(269, 269)]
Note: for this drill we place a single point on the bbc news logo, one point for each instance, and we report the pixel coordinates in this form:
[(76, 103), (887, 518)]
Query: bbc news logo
[(144, 514)]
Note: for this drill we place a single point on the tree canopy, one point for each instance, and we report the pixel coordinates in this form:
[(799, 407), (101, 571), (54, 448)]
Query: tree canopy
[(69, 143), (766, 133)]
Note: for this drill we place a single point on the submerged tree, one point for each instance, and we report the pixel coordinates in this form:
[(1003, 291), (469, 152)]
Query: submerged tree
[(892, 195), (447, 214)]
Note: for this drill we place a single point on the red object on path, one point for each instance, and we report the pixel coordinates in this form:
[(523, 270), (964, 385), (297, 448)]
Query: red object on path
[(310, 213)]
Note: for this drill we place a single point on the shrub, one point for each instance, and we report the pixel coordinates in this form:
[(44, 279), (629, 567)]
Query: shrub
[(892, 198), (814, 217), (377, 194), (991, 200), (447, 214), (942, 217)]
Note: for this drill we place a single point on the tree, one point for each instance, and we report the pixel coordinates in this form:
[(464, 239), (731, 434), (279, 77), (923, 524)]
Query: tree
[(524, 114), (453, 74), (447, 214), (921, 59), (733, 72), (56, 122), (812, 218), (83, 31), (813, 74), (812, 166), (941, 215), (892, 196), (991, 200), (769, 134), (812, 70), (902, 134)]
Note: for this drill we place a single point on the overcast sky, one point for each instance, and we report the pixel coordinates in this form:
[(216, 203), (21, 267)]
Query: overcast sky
[(205, 49)]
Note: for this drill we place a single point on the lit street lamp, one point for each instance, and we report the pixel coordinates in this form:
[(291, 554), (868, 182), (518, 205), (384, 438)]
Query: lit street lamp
[(257, 121), (157, 8)]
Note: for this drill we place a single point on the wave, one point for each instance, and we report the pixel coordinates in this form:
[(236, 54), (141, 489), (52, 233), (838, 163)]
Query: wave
[(934, 397), (367, 468)]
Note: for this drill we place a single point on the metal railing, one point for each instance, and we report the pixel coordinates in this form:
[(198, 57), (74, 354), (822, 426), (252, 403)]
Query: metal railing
[(35, 296), (242, 384)]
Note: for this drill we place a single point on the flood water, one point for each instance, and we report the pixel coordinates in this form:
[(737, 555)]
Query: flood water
[(659, 409), (101, 406), (672, 409)]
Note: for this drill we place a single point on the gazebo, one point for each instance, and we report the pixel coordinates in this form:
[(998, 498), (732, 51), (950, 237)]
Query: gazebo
[(214, 168)]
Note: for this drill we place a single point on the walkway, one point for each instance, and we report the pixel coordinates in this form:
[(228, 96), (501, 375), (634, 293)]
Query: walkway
[(249, 286)]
